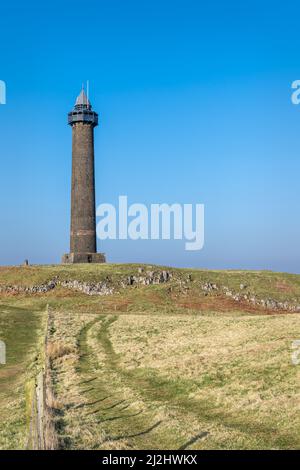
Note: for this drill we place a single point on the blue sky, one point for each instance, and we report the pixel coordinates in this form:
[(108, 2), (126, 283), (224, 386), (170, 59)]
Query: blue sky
[(194, 101)]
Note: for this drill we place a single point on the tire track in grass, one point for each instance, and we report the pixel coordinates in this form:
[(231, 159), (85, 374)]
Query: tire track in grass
[(124, 424), (175, 395)]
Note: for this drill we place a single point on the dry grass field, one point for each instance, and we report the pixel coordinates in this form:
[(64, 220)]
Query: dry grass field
[(184, 381), (153, 367)]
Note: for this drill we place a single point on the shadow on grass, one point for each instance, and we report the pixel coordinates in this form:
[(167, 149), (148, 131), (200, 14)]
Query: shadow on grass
[(193, 440), (130, 436), (114, 418)]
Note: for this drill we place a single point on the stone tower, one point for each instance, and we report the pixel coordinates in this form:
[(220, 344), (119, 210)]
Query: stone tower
[(83, 244)]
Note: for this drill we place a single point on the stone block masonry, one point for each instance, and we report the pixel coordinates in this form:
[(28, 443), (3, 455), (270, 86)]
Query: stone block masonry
[(83, 241)]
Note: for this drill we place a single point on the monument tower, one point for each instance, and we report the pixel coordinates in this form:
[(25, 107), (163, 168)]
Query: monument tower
[(83, 243)]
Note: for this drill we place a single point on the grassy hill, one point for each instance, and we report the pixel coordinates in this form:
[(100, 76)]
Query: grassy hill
[(190, 362)]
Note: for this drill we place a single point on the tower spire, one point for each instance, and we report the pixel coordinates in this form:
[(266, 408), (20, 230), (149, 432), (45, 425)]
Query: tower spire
[(82, 99)]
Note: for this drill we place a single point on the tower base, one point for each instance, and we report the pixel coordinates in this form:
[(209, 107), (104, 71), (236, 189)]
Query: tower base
[(71, 258)]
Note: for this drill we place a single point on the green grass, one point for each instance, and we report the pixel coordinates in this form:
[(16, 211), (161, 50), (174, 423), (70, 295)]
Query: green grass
[(39, 274), (280, 286), (21, 330)]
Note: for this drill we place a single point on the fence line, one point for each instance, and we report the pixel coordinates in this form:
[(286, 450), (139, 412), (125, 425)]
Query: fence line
[(42, 434)]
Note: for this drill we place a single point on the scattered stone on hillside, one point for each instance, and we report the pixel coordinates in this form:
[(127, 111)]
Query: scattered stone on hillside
[(106, 287), (151, 277), (100, 288), (249, 297), (208, 286)]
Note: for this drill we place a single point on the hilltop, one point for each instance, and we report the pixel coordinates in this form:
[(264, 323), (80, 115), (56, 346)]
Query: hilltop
[(141, 356), (256, 288)]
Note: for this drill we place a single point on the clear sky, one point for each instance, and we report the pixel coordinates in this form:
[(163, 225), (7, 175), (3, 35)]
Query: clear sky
[(194, 100)]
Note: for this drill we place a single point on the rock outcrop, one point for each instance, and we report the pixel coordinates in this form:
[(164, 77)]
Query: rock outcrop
[(146, 278), (105, 287)]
